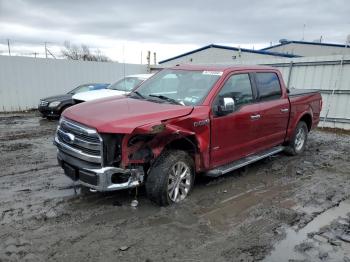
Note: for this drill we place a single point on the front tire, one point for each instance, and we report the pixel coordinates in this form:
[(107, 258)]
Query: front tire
[(298, 142), (170, 178)]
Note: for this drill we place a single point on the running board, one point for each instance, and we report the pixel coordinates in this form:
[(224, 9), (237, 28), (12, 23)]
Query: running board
[(243, 162)]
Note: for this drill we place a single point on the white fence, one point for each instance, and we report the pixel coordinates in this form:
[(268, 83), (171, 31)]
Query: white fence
[(24, 80), (330, 74)]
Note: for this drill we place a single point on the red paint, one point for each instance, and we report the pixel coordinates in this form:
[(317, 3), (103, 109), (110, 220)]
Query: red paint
[(222, 140)]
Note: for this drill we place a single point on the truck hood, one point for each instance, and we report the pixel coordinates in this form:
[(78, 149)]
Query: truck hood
[(123, 114), (96, 94)]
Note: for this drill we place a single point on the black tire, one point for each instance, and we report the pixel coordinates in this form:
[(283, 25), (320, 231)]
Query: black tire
[(293, 147), (158, 178)]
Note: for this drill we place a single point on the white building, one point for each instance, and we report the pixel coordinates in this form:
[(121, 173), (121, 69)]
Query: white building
[(303, 48), (220, 54)]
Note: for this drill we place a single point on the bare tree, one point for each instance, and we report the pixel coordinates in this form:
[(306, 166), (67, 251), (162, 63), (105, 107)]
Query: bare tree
[(75, 52)]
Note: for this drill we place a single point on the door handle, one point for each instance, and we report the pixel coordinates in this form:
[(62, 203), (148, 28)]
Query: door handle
[(254, 117), (284, 110)]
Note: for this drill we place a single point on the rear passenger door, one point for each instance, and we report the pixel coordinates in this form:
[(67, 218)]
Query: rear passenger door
[(273, 110)]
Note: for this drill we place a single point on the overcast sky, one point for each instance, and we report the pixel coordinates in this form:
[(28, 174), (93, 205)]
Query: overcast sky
[(122, 29)]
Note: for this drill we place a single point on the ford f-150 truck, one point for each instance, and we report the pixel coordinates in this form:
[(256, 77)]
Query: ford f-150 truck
[(184, 121)]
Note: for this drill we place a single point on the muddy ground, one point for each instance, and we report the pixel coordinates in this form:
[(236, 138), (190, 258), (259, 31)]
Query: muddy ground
[(279, 209)]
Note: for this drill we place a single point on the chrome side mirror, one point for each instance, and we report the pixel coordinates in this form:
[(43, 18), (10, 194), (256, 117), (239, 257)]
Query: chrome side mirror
[(229, 104), (226, 106)]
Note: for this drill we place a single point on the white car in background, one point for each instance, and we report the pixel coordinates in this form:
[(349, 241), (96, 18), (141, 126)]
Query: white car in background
[(121, 87)]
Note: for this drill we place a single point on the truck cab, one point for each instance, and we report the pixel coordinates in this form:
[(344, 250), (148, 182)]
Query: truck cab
[(184, 121)]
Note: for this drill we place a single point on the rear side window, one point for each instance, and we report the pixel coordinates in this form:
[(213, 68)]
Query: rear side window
[(268, 86)]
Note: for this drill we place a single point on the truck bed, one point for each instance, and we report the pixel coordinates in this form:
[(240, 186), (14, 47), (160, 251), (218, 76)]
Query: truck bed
[(300, 92), (304, 100)]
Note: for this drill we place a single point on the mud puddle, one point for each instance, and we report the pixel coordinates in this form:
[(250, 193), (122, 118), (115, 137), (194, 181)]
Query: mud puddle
[(233, 210), (296, 241)]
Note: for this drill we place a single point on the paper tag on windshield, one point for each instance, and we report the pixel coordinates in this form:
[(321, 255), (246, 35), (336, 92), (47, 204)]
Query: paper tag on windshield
[(213, 73)]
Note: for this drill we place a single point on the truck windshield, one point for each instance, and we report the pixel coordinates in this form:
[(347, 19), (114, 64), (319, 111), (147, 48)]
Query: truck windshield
[(181, 87)]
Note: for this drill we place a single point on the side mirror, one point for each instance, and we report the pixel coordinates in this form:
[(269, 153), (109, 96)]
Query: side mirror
[(226, 106)]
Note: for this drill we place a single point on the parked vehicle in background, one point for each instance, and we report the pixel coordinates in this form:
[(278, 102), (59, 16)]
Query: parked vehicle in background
[(183, 121), (53, 106), (121, 87)]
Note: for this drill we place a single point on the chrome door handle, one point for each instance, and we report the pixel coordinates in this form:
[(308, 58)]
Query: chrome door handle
[(254, 117), (284, 110)]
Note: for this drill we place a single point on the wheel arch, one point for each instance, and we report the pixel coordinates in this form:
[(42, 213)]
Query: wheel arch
[(185, 143), (307, 118), (189, 144)]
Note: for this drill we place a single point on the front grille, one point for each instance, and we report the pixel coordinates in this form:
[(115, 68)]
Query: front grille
[(79, 141), (43, 103)]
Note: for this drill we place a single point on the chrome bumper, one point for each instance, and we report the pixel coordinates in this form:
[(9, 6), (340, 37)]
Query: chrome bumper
[(105, 178), (100, 179)]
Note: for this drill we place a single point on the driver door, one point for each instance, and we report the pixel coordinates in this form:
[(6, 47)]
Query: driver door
[(233, 133)]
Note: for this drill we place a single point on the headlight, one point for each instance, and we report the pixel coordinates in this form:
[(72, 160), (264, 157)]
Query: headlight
[(54, 104)]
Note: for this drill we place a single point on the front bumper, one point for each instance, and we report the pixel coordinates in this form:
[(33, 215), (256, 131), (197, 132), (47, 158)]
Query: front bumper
[(49, 111), (102, 178)]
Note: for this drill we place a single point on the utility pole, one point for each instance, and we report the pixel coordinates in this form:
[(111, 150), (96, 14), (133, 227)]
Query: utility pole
[(8, 45), (149, 61), (45, 50)]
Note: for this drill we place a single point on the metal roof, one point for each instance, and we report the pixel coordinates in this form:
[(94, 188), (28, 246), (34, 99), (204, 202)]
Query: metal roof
[(303, 43), (221, 67), (262, 52)]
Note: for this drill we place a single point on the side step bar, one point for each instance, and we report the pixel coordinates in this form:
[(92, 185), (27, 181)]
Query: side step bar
[(243, 162)]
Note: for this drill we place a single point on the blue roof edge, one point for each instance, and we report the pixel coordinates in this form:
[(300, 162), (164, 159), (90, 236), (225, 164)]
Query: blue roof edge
[(302, 42), (229, 48)]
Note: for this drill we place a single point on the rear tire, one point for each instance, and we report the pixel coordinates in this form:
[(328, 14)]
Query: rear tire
[(298, 142), (170, 178)]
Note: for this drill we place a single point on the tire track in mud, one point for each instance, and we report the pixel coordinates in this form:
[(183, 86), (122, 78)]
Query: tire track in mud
[(21, 172)]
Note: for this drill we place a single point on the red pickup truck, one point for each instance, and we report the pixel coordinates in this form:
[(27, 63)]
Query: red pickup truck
[(183, 121)]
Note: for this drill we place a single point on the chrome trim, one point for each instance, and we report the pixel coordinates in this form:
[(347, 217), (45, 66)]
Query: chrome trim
[(80, 142), (79, 128), (257, 116), (243, 162), (43, 103), (105, 178), (64, 128), (77, 153)]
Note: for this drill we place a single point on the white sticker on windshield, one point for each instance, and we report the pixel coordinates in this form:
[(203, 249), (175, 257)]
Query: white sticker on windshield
[(213, 73)]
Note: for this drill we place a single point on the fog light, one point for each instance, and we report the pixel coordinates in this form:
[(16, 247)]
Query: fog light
[(120, 178)]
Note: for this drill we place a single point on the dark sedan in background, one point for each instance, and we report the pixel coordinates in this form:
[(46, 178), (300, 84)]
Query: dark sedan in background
[(52, 107)]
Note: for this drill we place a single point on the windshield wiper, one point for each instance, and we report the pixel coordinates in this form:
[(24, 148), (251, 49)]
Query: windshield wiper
[(166, 99), (137, 93)]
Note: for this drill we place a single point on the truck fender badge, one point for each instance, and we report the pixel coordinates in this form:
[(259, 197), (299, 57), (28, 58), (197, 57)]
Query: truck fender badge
[(201, 123)]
